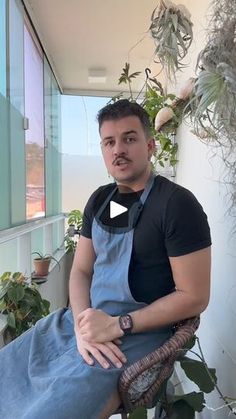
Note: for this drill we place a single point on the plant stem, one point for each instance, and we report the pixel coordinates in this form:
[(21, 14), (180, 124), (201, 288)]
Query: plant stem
[(211, 378), (130, 90)]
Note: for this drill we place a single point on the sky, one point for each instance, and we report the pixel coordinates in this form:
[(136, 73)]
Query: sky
[(79, 126)]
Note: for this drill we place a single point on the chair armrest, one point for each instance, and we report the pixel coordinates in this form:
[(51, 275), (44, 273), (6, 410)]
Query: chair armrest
[(141, 381)]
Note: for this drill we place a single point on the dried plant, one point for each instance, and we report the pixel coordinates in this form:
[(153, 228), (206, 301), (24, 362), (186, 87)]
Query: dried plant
[(171, 30), (214, 103)]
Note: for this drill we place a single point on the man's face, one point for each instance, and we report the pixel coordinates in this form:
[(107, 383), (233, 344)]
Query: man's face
[(126, 149)]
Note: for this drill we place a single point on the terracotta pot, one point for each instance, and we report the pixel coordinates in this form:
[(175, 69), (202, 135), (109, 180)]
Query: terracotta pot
[(41, 266)]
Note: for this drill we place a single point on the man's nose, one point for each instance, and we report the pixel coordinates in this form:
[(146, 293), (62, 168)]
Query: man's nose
[(119, 148)]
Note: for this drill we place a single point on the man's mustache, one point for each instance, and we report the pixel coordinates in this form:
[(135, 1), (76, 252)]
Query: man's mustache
[(117, 159)]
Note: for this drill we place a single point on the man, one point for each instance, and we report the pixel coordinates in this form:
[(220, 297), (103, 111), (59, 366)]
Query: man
[(180, 278), (135, 273)]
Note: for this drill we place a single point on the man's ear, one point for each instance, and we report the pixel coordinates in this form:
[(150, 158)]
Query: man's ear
[(151, 148)]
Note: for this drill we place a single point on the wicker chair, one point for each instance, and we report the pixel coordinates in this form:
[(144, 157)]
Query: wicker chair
[(140, 383)]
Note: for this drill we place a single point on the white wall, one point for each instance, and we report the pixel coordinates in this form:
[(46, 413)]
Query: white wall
[(203, 173)]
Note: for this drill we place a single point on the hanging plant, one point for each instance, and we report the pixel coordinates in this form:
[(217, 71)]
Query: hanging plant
[(214, 103), (171, 30), (165, 113)]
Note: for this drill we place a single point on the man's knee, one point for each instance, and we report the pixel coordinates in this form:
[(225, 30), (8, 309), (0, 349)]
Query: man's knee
[(111, 406)]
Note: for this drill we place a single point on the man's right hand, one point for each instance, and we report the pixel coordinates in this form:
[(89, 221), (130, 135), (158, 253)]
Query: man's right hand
[(102, 352)]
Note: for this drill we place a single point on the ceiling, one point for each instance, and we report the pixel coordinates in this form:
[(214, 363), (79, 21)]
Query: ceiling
[(83, 35)]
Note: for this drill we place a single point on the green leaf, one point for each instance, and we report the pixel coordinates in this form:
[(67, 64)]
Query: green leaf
[(46, 306), (11, 321), (195, 400), (174, 18), (16, 294), (4, 289), (5, 276), (173, 162), (181, 410), (122, 79), (16, 275), (164, 141), (139, 413), (197, 372)]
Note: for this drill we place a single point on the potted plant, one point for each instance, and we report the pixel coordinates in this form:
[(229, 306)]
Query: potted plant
[(42, 263), (74, 221), (21, 303)]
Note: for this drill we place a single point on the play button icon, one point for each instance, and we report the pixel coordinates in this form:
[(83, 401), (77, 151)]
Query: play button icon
[(116, 209)]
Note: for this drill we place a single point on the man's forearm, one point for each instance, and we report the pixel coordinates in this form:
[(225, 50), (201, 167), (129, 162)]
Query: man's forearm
[(79, 291), (167, 310)]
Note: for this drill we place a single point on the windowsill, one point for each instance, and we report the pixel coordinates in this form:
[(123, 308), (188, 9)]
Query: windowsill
[(15, 232)]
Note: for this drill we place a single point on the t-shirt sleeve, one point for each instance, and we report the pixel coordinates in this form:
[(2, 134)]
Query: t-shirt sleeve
[(186, 225), (88, 215)]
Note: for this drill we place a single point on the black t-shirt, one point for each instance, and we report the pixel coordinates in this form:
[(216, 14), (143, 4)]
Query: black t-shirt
[(172, 223)]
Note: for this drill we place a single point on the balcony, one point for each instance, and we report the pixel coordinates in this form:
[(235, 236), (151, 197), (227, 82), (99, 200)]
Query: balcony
[(78, 49)]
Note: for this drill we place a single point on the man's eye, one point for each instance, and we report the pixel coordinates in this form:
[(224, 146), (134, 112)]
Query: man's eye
[(108, 143), (130, 139)]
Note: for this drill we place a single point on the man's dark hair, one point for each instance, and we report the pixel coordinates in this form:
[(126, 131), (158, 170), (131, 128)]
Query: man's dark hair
[(121, 109)]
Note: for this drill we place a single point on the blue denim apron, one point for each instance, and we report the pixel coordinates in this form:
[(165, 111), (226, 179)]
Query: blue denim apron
[(42, 375)]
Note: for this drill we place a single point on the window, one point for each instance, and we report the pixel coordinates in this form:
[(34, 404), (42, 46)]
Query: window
[(34, 134), (30, 120), (25, 160)]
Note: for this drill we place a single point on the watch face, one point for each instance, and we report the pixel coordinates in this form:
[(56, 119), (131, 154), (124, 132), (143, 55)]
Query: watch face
[(126, 323)]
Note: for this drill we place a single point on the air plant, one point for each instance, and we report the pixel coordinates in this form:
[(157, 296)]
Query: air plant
[(214, 102), (171, 30)]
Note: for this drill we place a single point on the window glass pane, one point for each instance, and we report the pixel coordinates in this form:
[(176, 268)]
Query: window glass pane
[(81, 154), (80, 134), (17, 135), (34, 135), (16, 37), (5, 188), (52, 103), (56, 147), (3, 47), (17, 158)]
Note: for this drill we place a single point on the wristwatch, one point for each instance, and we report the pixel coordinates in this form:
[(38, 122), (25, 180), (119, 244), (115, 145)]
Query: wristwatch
[(126, 323)]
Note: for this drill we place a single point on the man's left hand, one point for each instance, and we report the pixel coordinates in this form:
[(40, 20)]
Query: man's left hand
[(97, 326)]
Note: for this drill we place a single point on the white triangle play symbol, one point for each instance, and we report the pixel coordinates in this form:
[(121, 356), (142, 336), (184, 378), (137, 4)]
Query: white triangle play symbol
[(116, 209)]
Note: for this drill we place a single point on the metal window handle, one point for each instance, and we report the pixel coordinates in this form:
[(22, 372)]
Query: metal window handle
[(25, 123)]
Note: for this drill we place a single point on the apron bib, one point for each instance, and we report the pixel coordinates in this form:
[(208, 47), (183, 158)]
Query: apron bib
[(110, 290)]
